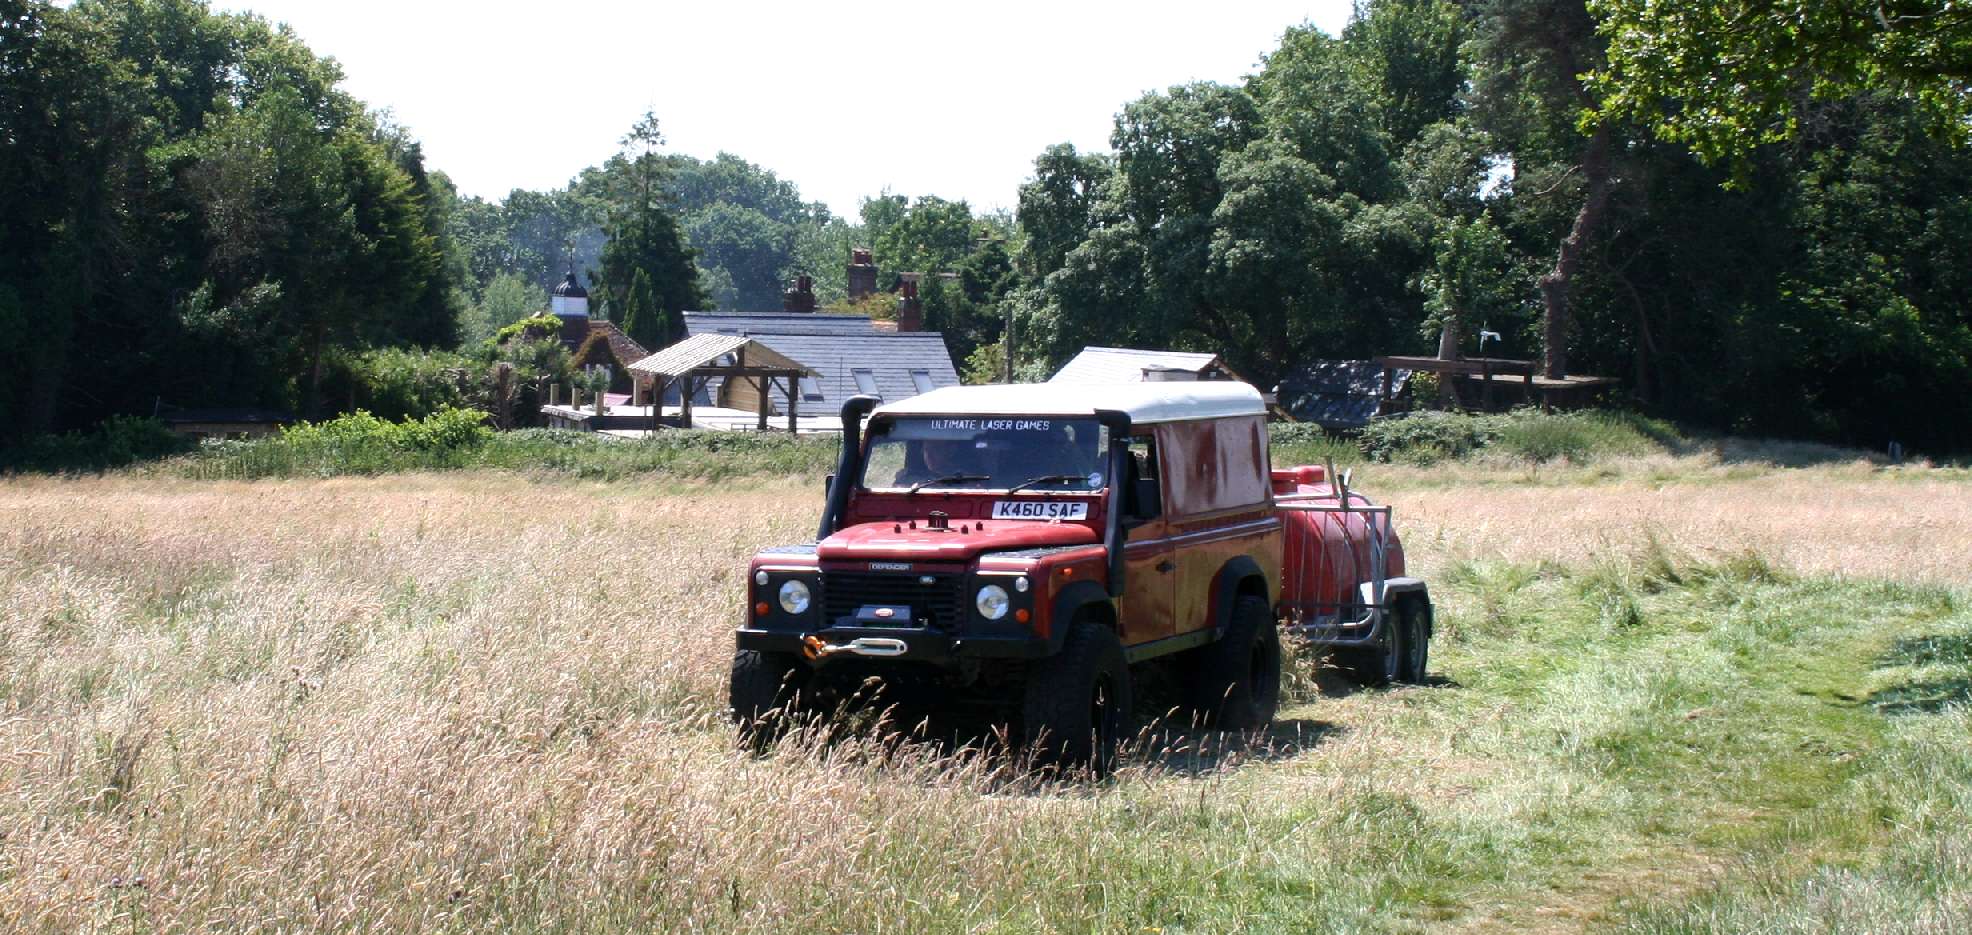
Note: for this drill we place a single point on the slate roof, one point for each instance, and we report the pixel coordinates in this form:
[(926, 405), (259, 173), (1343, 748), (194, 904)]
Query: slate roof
[(775, 323), (890, 358), (1342, 394), (833, 346), (1127, 365)]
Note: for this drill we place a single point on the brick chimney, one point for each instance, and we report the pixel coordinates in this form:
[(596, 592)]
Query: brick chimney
[(800, 296), (910, 308), (862, 274)]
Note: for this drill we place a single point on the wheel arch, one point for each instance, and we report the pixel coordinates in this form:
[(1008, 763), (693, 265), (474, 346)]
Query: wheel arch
[(1240, 576), (1082, 600)]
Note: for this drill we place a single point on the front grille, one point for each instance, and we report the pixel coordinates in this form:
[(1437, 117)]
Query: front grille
[(941, 602)]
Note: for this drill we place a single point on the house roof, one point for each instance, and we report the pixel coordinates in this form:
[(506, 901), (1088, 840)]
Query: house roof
[(607, 344), (889, 358), (1127, 365), (1337, 393), (706, 349), (775, 323), (1143, 402)]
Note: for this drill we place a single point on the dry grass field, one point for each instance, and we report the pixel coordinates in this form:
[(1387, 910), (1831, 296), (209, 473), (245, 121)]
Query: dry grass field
[(471, 702)]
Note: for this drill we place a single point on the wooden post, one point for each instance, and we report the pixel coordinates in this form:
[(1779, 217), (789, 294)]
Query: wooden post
[(1486, 391), (764, 385), (685, 392), (1388, 378), (657, 403), (793, 389)]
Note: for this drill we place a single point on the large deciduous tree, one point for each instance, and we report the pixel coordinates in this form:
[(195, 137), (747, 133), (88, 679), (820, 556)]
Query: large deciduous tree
[(1725, 76)]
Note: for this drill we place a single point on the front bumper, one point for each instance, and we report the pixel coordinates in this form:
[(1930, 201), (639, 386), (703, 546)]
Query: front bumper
[(904, 644)]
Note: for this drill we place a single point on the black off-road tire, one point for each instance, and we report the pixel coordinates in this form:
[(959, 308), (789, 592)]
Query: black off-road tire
[(1380, 663), (766, 691), (1075, 706), (1414, 616), (1237, 682)]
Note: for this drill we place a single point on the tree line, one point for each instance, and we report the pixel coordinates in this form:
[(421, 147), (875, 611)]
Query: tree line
[(193, 212)]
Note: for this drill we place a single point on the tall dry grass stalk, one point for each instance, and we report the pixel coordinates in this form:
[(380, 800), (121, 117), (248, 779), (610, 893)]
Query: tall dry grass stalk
[(1849, 521), (474, 701)]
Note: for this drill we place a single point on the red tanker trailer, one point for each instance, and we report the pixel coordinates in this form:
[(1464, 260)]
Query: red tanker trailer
[(1027, 546)]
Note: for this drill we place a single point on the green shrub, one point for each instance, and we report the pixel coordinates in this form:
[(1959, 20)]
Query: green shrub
[(357, 443), (118, 441), (540, 326), (1580, 436), (1306, 443), (394, 383), (360, 443), (1426, 437), (1523, 434)]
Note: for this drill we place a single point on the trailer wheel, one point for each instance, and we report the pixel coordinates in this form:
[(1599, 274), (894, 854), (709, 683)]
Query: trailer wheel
[(1076, 704), (765, 693), (1382, 662), (1238, 683), (1414, 642)]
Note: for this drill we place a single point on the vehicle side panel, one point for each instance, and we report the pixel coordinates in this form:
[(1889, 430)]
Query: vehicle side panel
[(1218, 505)]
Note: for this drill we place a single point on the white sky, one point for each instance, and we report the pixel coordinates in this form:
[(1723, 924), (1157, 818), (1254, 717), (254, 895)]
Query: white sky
[(842, 99)]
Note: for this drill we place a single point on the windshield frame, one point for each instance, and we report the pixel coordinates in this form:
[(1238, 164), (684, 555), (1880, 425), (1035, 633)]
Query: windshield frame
[(989, 429)]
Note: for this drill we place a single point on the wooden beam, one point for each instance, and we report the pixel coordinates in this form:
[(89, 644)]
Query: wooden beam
[(793, 389), (764, 386), (739, 371), (1470, 366)]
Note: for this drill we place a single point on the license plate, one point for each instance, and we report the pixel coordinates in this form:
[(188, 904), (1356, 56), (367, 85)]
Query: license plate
[(884, 615), (1041, 509)]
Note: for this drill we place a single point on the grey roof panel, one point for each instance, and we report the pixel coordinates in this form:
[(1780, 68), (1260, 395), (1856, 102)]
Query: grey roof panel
[(1338, 393), (776, 323), (890, 358), (1126, 365)]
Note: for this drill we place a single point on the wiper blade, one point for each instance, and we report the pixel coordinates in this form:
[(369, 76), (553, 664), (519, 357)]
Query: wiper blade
[(959, 478), (1044, 479)]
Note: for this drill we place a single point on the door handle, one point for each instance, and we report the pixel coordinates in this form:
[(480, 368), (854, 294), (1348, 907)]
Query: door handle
[(1164, 567)]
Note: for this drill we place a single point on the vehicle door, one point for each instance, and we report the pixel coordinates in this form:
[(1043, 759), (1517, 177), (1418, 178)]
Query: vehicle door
[(1149, 573)]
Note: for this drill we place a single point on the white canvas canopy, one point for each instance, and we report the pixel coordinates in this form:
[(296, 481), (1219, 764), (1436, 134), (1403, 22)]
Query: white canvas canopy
[(1144, 402)]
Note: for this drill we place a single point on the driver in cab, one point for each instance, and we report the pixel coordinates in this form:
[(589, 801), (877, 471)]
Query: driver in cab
[(941, 459)]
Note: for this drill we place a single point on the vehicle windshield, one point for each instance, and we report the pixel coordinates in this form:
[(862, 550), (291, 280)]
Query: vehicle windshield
[(981, 453)]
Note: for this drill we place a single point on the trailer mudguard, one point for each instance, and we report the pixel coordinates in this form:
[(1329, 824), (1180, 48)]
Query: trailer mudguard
[(1395, 589)]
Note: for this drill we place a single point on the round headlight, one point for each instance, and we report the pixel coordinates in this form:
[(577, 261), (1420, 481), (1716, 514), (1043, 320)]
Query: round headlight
[(794, 597), (992, 602), (760, 578)]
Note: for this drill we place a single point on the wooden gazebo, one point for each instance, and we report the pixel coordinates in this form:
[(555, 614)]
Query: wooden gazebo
[(1499, 382), (733, 357)]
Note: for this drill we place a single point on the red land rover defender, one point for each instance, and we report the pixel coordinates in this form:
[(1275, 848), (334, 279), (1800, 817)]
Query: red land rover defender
[(1026, 545)]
